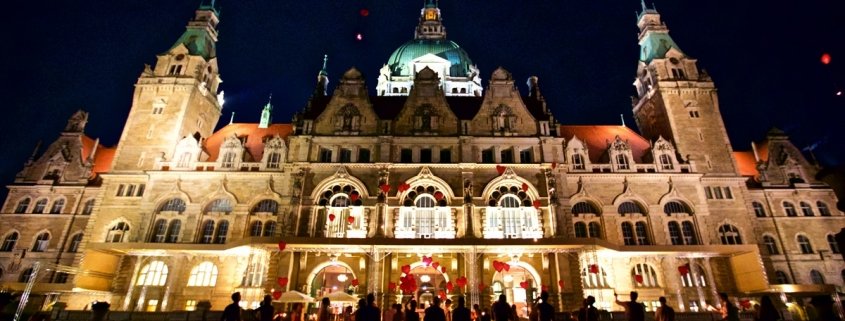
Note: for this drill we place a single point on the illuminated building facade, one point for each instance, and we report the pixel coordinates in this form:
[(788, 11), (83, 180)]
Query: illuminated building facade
[(467, 191)]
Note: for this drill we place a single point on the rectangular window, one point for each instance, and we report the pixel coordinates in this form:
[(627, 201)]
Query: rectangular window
[(425, 155), (445, 156), (525, 156), (130, 191), (120, 189), (325, 155), (152, 306), (708, 192), (363, 155), (717, 191), (190, 305), (728, 193), (507, 156), (345, 155), (406, 155), (140, 191), (487, 156)]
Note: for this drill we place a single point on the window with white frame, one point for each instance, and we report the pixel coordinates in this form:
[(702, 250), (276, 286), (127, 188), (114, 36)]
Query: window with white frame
[(117, 232), (695, 277), (592, 280), (172, 205), (40, 206), (9, 242), (729, 235), (816, 277), (644, 276), (771, 245), (635, 233), (75, 241), (789, 209), (222, 232), (42, 241), (269, 229), (22, 206), (204, 274), (153, 274), (265, 207), (666, 162), (823, 209), (807, 209), (578, 162), (159, 234), (831, 242), (274, 160), (622, 162), (207, 235), (88, 208), (220, 205), (804, 244), (255, 228), (759, 210), (173, 230)]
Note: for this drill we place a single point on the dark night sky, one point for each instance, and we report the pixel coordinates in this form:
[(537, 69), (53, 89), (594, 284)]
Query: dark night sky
[(59, 56)]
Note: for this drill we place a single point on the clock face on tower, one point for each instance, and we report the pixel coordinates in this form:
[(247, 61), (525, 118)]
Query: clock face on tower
[(430, 14)]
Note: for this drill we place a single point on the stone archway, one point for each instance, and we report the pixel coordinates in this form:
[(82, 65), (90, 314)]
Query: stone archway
[(521, 284)]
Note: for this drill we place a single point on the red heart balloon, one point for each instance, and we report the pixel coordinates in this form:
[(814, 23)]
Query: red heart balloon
[(450, 286), (638, 278), (594, 268), (332, 217), (354, 282), (524, 187), (406, 269), (426, 260), (282, 245), (544, 288), (283, 281), (438, 195), (442, 295), (498, 266), (500, 169), (442, 269), (481, 286), (561, 284), (507, 267), (536, 204), (461, 281), (554, 165), (391, 286), (435, 265), (277, 294), (683, 270), (385, 188), (350, 220), (523, 284), (354, 196)]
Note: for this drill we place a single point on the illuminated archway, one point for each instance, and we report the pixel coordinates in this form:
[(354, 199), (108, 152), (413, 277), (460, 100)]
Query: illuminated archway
[(430, 282), (326, 278), (521, 284)]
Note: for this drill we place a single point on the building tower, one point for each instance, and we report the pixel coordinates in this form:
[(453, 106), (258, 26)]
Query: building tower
[(175, 99), (267, 114), (677, 100)]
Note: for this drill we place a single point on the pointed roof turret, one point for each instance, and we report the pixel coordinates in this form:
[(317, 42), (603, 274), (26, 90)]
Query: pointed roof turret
[(200, 36), (654, 37), (322, 80), (267, 114), (431, 23)]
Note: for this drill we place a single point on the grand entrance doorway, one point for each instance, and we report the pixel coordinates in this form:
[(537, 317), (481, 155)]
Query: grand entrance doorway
[(431, 282), (520, 284)]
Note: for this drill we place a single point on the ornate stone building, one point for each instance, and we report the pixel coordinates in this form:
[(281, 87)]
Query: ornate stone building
[(431, 187)]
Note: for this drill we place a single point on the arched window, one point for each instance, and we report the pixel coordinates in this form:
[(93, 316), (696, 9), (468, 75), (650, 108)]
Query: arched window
[(578, 162), (173, 231), (635, 234), (581, 230), (831, 242), (594, 280), (771, 245), (642, 233), (22, 206), (584, 208), (630, 208), (759, 211), (75, 241), (40, 206), (628, 234), (274, 159), (255, 272), (695, 277), (804, 244), (154, 273), (265, 206), (61, 278), (675, 233), (58, 206), (688, 230), (207, 232), (42, 241), (675, 207), (172, 205), (816, 277), (807, 209), (823, 209), (269, 229), (229, 160), (9, 242), (510, 214), (644, 276), (666, 162), (117, 232), (88, 208), (159, 231), (594, 229), (220, 205), (729, 235), (781, 277), (789, 209), (622, 162), (25, 276), (255, 228), (222, 232), (204, 274)]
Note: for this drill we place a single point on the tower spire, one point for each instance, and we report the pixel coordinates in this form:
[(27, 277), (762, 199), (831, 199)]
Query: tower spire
[(431, 23), (322, 79), (267, 113)]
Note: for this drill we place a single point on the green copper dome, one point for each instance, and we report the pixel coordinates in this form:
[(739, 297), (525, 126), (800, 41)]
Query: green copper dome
[(449, 50)]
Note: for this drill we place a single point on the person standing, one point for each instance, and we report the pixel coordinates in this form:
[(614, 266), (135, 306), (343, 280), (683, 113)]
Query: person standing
[(476, 312), (461, 313), (501, 309), (634, 310), (397, 313), (767, 310), (588, 312), (232, 312), (324, 313), (265, 312), (545, 310), (728, 310), (434, 312), (411, 313), (447, 309), (388, 314), (664, 312)]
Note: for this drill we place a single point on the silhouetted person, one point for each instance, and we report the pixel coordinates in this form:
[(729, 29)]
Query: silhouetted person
[(411, 313), (476, 312), (265, 311), (588, 312), (447, 309), (397, 313), (824, 308), (232, 312), (434, 312), (634, 310), (461, 313), (767, 310), (324, 313), (728, 311), (486, 315), (501, 309), (664, 312), (545, 311)]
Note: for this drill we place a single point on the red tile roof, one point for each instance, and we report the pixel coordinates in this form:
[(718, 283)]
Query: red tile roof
[(103, 155), (746, 163), (597, 137), (255, 138)]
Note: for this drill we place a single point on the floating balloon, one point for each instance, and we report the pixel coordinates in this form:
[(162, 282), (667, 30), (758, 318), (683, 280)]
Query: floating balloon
[(524, 187), (481, 286), (332, 217), (354, 196), (544, 288), (683, 270), (277, 294), (282, 281), (385, 188), (536, 204), (450, 286), (554, 165), (426, 260), (406, 269), (594, 268), (282, 245), (435, 265), (500, 169), (461, 281), (364, 12), (442, 269), (354, 282), (523, 284), (638, 278), (561, 283), (359, 37), (826, 58), (350, 220), (438, 195), (404, 187)]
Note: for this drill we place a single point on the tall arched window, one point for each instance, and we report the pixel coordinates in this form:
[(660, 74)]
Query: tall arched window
[(269, 229), (578, 162), (823, 209), (58, 206), (88, 208), (255, 228), (204, 274), (804, 244), (644, 276), (510, 214), (274, 160), (207, 232), (642, 233), (688, 230), (153, 273), (759, 210), (40, 206), (675, 233), (581, 230), (816, 277), (173, 231), (9, 242), (265, 207), (622, 162), (594, 229), (628, 234), (42, 241), (172, 205), (695, 277), (831, 242), (729, 235), (75, 241), (635, 234), (771, 245), (666, 162), (159, 231), (807, 209), (781, 277), (222, 232), (117, 232), (22, 206), (789, 209)]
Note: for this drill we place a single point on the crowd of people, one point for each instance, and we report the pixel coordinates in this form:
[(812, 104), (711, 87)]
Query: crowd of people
[(542, 310)]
